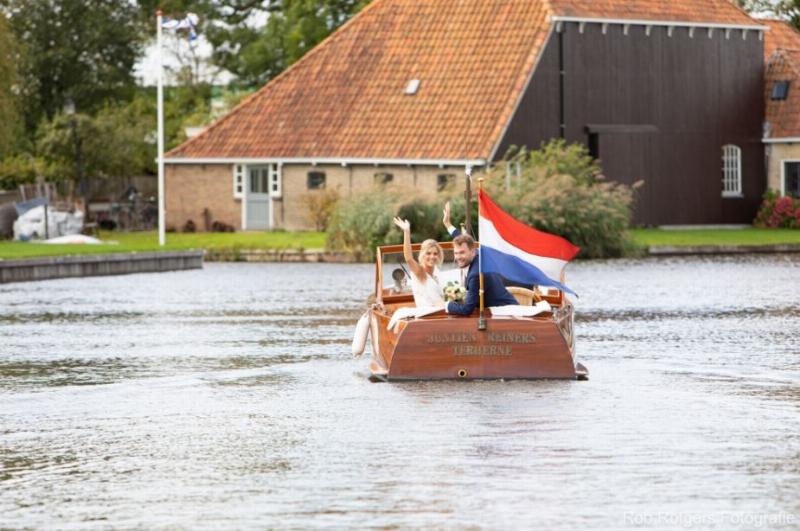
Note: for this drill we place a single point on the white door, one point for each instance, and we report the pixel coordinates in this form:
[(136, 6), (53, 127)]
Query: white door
[(259, 216)]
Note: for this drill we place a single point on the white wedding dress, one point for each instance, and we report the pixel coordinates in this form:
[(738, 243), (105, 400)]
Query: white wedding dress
[(428, 293), (428, 298)]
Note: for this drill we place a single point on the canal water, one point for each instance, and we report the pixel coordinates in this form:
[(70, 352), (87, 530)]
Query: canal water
[(228, 398)]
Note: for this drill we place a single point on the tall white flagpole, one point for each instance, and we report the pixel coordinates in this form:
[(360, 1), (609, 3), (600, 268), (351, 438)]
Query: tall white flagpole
[(160, 106)]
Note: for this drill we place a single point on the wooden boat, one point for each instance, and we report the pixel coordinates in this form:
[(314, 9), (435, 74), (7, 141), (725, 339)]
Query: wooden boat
[(443, 346)]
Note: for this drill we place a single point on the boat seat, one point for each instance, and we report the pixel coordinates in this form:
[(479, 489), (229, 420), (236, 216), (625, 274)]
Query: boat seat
[(524, 296)]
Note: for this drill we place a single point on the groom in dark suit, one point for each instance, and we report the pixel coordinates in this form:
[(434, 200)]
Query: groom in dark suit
[(494, 293)]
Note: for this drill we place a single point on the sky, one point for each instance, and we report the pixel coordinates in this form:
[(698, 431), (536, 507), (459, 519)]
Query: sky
[(146, 69)]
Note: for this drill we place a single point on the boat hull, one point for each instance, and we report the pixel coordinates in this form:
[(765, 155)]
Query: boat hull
[(451, 347)]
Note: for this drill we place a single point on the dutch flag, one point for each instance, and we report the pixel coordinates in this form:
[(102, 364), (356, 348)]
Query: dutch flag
[(518, 252)]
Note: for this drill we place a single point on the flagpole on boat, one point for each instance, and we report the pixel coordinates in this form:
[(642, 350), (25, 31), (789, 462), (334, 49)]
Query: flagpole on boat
[(160, 107), (482, 316)]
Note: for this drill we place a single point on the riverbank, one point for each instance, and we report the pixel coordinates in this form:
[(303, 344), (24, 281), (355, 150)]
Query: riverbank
[(53, 267), (309, 246)]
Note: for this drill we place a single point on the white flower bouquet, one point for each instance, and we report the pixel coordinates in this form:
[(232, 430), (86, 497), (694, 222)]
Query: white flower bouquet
[(454, 291)]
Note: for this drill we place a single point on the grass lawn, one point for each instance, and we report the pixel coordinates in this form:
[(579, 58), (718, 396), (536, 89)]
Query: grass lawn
[(747, 236), (148, 241)]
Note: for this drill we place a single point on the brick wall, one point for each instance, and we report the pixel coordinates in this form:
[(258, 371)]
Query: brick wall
[(190, 188), (292, 213)]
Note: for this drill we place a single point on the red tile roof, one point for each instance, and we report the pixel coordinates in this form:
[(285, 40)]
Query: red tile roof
[(781, 34), (783, 116), (345, 98), (696, 11)]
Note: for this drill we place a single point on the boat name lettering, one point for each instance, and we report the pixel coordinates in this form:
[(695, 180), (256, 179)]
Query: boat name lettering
[(482, 350), (493, 337), (511, 337), (458, 337)]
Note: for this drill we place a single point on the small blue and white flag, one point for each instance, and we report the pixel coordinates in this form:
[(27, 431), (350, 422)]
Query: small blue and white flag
[(189, 22)]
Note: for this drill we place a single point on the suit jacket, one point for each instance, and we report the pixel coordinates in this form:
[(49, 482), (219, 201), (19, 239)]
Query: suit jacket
[(494, 293)]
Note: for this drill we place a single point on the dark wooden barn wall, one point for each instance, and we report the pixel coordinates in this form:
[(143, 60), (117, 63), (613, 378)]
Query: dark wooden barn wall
[(699, 92)]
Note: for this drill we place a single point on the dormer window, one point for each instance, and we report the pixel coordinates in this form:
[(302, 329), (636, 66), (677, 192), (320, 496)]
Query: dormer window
[(780, 89)]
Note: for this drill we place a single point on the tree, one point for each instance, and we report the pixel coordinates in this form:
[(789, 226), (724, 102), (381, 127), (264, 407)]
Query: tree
[(24, 168), (560, 189), (786, 9), (117, 142), (9, 89), (84, 50), (255, 51)]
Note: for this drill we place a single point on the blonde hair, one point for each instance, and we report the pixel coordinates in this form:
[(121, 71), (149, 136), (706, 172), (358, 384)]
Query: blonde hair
[(427, 244)]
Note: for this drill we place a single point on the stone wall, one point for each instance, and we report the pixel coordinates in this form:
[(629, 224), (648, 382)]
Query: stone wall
[(52, 267)]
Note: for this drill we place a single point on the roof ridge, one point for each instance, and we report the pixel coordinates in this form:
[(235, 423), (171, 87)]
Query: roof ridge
[(272, 82)]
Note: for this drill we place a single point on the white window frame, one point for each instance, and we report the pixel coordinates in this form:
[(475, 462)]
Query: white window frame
[(275, 180), (731, 171), (239, 172), (783, 173)]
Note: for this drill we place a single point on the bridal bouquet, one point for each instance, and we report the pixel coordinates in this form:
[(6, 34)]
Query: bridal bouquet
[(454, 291)]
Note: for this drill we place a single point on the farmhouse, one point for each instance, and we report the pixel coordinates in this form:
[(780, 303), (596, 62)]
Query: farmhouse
[(409, 92), (782, 125)]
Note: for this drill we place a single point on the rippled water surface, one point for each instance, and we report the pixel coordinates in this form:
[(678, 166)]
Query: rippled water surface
[(227, 397)]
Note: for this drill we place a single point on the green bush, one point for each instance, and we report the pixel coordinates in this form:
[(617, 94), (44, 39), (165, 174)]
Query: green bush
[(320, 206), (457, 214), (24, 169), (364, 222), (360, 224), (425, 215), (560, 190), (425, 218)]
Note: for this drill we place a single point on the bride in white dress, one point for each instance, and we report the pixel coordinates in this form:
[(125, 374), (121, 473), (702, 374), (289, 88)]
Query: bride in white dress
[(425, 272)]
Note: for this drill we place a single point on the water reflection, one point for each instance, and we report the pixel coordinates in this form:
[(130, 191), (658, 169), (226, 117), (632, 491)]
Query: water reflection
[(228, 398)]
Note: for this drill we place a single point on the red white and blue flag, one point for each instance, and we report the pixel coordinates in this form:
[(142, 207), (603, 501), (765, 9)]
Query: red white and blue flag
[(518, 252)]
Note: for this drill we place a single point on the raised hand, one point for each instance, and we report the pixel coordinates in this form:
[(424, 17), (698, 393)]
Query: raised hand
[(446, 215), (404, 224)]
